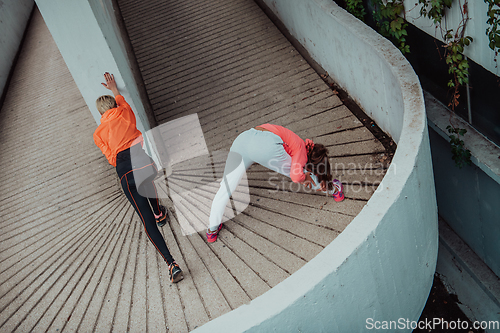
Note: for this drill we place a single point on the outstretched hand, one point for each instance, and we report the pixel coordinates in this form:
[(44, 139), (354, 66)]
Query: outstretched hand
[(323, 186), (110, 83), (308, 182)]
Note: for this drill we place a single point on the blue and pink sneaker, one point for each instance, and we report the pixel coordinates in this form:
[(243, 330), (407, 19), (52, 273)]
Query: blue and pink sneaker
[(338, 190), (212, 236), (163, 218), (175, 273)]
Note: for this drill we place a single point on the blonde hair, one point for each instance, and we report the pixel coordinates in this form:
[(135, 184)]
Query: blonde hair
[(104, 103)]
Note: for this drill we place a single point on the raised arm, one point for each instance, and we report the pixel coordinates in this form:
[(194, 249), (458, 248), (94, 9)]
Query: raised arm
[(110, 84)]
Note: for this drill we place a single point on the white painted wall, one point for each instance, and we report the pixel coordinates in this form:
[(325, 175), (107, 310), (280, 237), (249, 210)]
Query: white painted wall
[(14, 16), (382, 265), (478, 50)]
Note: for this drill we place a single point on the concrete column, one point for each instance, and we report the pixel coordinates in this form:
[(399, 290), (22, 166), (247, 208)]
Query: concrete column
[(89, 37)]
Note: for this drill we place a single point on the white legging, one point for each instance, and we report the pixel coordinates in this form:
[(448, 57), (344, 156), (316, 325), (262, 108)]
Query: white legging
[(252, 146)]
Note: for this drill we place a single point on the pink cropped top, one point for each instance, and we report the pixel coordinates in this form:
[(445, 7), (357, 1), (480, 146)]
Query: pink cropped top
[(295, 147)]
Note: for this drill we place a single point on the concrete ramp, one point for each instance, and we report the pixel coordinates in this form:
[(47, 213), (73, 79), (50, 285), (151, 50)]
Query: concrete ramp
[(73, 254)]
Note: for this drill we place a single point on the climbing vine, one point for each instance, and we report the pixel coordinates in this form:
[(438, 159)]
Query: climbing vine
[(458, 67), (493, 30), (389, 17), (391, 24), (434, 9)]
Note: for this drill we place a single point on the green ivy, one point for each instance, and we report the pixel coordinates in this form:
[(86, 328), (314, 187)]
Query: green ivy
[(389, 16), (493, 31), (459, 153), (458, 64), (390, 23), (356, 8), (434, 9)]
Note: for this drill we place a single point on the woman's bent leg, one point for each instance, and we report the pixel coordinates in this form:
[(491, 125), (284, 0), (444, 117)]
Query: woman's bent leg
[(235, 168), (250, 146)]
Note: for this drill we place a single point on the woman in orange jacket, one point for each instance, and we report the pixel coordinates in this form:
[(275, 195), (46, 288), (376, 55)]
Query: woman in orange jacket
[(121, 142)]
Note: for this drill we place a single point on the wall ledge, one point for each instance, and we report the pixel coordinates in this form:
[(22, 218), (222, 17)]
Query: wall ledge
[(485, 154)]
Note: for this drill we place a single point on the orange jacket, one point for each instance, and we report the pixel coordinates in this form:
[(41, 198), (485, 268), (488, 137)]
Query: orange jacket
[(117, 130), (295, 147)]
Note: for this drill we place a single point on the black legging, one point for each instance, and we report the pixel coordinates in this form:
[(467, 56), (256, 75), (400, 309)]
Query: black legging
[(140, 203)]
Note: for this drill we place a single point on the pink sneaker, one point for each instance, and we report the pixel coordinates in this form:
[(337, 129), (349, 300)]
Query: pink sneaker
[(212, 236), (339, 194)]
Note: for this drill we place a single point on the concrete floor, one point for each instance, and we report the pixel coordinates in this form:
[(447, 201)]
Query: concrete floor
[(73, 254)]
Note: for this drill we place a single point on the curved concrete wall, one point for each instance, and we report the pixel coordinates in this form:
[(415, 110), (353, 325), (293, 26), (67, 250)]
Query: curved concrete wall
[(380, 269)]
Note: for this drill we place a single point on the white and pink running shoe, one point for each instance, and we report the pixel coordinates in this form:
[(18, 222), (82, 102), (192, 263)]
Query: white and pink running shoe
[(338, 190)]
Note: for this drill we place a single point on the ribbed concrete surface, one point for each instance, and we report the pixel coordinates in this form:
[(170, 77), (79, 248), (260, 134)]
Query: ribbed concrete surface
[(73, 255)]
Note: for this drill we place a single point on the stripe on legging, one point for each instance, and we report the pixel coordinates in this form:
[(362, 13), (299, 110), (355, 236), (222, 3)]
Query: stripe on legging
[(143, 221)]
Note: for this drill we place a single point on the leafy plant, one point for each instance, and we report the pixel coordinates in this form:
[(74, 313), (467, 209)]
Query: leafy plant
[(434, 9), (389, 16), (459, 153), (356, 8), (390, 22), (493, 31), (458, 66)]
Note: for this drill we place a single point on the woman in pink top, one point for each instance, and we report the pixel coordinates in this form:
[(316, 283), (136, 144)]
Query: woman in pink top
[(280, 150)]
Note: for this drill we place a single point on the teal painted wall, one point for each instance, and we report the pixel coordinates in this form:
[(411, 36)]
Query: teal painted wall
[(469, 201)]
